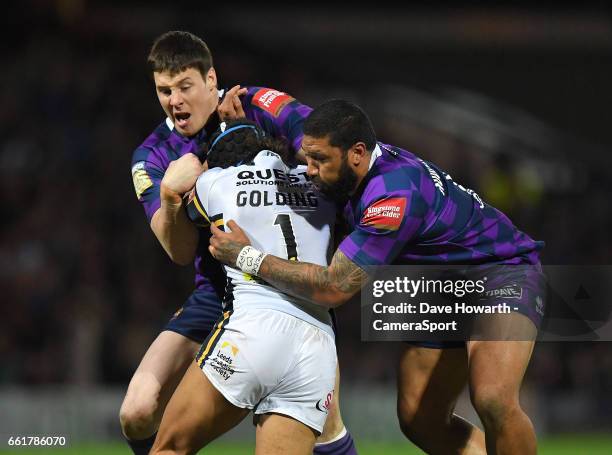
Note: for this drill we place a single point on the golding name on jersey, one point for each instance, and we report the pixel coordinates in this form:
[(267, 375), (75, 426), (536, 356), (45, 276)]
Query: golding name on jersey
[(257, 198)]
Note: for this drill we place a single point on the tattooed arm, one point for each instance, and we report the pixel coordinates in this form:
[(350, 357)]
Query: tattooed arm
[(327, 286)]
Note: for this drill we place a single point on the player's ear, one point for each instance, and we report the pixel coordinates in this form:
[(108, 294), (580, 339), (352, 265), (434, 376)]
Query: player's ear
[(357, 153), (211, 78)]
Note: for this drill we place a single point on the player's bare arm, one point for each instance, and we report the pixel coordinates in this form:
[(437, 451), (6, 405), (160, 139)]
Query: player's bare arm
[(327, 286), (177, 235)]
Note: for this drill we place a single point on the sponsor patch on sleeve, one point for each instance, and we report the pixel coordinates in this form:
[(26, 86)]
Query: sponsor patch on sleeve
[(141, 179), (385, 214), (271, 100)]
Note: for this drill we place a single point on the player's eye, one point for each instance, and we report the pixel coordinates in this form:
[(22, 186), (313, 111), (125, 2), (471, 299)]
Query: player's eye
[(184, 88), (165, 91), (316, 158)]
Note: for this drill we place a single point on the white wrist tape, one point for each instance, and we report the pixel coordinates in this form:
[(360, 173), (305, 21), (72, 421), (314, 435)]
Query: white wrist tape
[(249, 260)]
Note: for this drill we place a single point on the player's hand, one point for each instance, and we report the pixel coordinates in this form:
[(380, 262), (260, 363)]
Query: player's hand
[(225, 246), (231, 106), (180, 177)]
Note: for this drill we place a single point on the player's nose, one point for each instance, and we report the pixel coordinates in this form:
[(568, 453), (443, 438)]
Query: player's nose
[(176, 99), (311, 170)]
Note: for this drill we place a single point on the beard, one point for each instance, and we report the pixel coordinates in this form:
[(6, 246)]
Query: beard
[(339, 191)]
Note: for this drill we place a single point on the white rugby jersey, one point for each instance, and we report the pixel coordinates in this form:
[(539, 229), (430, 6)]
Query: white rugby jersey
[(283, 214)]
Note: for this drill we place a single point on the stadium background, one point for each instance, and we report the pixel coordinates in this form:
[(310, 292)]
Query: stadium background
[(513, 102)]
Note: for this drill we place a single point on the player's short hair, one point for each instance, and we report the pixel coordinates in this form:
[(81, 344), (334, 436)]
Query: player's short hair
[(176, 51), (343, 122), (238, 141)]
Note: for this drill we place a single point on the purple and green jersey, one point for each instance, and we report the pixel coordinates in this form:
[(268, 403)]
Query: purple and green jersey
[(407, 211), (279, 114)]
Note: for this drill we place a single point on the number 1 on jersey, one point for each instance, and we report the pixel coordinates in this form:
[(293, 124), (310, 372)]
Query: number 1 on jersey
[(284, 221)]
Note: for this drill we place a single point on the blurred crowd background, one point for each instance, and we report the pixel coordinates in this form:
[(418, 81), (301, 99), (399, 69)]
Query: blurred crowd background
[(513, 103)]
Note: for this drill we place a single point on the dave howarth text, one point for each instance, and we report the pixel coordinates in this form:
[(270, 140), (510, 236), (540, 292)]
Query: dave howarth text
[(426, 308)]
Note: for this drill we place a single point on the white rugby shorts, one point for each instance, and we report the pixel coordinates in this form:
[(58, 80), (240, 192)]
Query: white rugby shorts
[(272, 362)]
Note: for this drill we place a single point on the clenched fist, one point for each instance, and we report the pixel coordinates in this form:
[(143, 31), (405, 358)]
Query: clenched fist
[(180, 177)]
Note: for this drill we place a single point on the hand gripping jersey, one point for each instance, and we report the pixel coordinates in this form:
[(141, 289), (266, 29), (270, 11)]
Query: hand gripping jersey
[(281, 213), (279, 114), (407, 211)]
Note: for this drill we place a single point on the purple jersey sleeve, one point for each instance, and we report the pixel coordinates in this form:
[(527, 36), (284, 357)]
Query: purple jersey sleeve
[(147, 175), (151, 160), (386, 221), (278, 113)]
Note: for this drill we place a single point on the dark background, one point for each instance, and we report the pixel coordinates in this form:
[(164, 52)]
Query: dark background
[(512, 102)]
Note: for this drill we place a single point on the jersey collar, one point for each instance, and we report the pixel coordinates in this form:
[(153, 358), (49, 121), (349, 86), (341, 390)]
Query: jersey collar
[(375, 154)]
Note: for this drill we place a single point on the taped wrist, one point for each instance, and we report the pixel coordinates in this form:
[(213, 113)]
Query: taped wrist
[(249, 260)]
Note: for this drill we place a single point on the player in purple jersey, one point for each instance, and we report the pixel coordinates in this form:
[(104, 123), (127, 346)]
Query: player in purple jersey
[(164, 168), (403, 210)]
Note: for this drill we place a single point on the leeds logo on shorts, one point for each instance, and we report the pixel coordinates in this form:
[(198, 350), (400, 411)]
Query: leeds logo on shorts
[(222, 363), (231, 347)]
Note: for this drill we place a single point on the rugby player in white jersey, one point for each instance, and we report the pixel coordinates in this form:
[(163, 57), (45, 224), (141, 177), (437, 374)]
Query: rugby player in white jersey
[(271, 353)]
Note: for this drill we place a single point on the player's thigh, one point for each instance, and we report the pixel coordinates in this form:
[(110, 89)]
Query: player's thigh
[(161, 369), (497, 368), (429, 382), (196, 414), (333, 423), (280, 435)]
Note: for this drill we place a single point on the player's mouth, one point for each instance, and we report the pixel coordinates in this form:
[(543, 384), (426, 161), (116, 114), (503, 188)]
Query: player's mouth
[(181, 119)]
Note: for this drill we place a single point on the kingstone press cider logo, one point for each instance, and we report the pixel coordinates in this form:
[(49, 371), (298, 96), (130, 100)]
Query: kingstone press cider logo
[(386, 214), (271, 100)]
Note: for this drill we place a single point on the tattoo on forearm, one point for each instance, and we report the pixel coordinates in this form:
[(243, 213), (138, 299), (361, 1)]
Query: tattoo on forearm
[(348, 277), (309, 280)]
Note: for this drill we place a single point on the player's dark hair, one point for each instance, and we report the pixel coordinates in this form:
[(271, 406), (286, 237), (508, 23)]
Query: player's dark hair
[(343, 122), (177, 51), (239, 141)]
